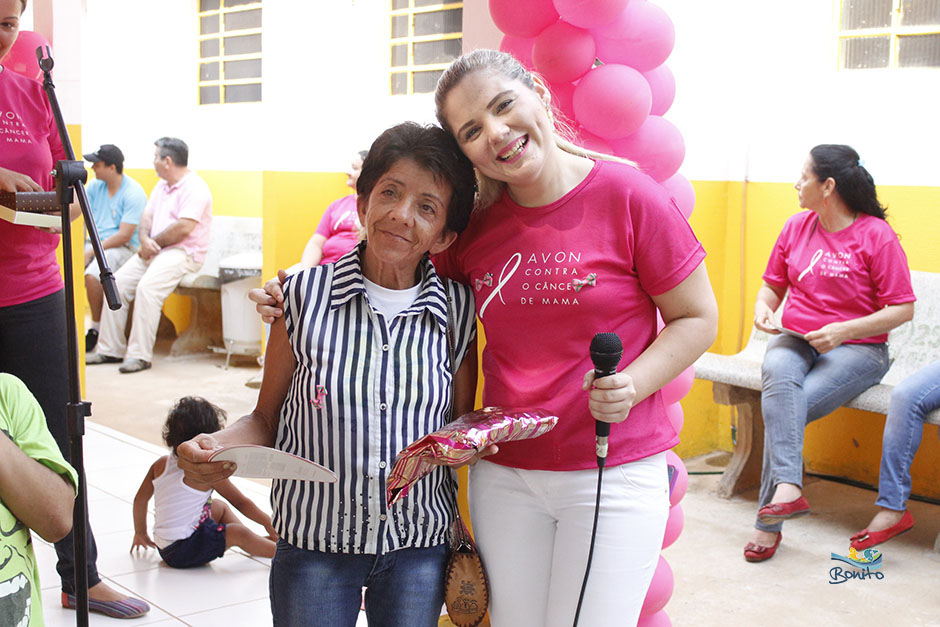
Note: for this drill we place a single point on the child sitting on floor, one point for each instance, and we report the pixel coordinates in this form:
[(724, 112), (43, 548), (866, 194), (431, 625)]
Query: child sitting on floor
[(190, 528)]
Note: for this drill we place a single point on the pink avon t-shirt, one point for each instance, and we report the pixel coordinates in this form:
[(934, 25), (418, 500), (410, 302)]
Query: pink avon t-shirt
[(340, 226), (547, 279), (29, 144), (838, 276)]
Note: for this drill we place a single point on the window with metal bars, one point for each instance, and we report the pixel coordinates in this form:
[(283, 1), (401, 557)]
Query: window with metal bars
[(426, 35), (229, 51), (889, 34)]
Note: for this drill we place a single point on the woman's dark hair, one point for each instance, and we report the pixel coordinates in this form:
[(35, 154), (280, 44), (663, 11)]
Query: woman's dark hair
[(853, 182), (191, 416), (435, 150), (174, 148)]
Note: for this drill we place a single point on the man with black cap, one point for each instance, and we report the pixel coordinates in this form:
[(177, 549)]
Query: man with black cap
[(117, 202)]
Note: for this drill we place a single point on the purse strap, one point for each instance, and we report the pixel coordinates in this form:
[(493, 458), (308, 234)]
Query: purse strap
[(450, 346)]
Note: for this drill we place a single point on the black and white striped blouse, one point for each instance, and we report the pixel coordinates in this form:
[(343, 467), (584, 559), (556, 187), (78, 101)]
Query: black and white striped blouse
[(363, 389)]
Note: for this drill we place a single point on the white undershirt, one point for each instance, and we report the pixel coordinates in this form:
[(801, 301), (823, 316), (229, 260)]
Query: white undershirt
[(388, 302)]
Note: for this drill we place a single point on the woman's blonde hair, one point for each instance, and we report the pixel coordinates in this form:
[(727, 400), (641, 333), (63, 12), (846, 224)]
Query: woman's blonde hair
[(490, 190)]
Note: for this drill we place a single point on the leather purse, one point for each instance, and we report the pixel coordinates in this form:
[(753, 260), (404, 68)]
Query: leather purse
[(466, 588)]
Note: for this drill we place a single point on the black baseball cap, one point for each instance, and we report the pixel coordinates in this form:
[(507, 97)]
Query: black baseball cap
[(108, 153)]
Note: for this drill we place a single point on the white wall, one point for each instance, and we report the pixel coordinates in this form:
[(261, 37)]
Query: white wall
[(325, 85), (757, 87)]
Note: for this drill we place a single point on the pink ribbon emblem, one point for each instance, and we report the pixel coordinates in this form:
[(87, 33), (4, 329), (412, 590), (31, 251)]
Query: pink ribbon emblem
[(486, 280), (321, 394), (590, 279)]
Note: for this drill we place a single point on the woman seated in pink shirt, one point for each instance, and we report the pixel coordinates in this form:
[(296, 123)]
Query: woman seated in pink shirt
[(848, 284), (338, 231)]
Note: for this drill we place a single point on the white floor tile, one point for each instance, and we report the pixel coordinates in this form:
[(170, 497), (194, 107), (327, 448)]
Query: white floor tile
[(229, 579), (255, 613)]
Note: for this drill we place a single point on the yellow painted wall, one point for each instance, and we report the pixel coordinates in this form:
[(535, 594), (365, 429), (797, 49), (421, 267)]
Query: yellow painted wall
[(738, 224)]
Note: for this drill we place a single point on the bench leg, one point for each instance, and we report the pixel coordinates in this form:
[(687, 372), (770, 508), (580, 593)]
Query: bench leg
[(743, 471), (205, 323)]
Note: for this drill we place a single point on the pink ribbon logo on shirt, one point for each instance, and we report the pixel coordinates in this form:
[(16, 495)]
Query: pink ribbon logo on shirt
[(590, 279), (486, 280), (812, 262)]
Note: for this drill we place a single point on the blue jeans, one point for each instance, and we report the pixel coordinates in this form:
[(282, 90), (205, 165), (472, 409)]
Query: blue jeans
[(911, 399), (404, 588), (800, 385)]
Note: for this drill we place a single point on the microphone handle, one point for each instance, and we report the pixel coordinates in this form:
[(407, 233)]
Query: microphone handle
[(601, 428)]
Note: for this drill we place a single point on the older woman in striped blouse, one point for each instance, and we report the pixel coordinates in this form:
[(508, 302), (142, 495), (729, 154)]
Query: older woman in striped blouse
[(355, 370)]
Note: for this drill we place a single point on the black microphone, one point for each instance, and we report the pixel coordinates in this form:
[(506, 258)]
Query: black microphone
[(606, 351)]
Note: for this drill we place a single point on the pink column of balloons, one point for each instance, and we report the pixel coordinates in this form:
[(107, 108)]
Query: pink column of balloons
[(604, 63)]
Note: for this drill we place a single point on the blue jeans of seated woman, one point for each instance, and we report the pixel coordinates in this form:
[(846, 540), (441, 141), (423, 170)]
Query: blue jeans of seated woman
[(800, 385), (404, 588), (911, 400)]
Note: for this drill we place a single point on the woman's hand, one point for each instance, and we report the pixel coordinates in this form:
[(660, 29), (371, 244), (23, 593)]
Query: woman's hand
[(610, 398), (272, 533), (269, 302), (828, 337), (193, 456), (11, 181), (764, 318)]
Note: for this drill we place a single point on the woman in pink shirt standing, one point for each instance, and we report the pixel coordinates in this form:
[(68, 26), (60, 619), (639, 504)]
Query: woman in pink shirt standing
[(564, 244), (849, 284), (32, 296)]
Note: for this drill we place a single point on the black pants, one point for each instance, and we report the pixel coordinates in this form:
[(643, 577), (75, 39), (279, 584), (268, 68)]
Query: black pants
[(33, 348)]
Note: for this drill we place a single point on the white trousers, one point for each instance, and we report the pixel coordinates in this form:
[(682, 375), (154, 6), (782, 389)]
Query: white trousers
[(146, 284), (533, 530)]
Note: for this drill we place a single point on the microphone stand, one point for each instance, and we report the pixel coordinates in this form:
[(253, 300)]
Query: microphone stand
[(70, 175)]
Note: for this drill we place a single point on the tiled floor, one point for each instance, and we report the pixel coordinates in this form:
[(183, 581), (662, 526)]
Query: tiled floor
[(713, 583), (232, 590)]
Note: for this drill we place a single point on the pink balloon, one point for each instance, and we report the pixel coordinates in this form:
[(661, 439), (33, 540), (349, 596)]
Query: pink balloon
[(663, 87), (675, 390), (680, 483), (21, 58), (590, 141), (676, 416), (589, 13), (659, 619), (523, 18), (562, 95), (657, 146), (643, 38), (612, 101), (682, 191), (660, 589), (673, 525), (563, 52), (519, 47)]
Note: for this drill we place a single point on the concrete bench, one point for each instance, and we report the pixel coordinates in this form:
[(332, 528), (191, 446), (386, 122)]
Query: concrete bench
[(230, 235), (737, 382)]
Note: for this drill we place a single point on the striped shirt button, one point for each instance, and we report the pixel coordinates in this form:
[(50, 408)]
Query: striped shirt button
[(383, 406), (384, 347), (382, 464)]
